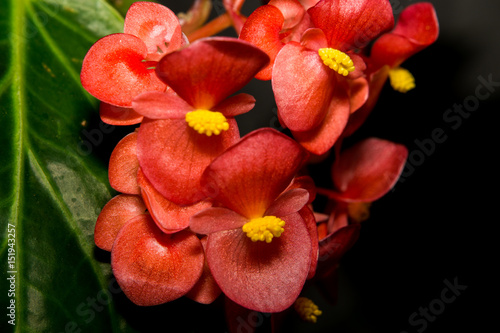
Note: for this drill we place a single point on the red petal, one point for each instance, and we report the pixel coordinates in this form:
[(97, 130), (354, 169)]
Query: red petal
[(332, 248), (249, 176), (266, 277), (320, 139), (292, 11), (161, 105), (310, 221), (314, 39), (113, 70), (123, 165), (173, 156), (305, 182), (118, 211), (119, 116), (206, 290), (262, 28), (369, 169), (303, 87), (211, 69), (358, 93), (416, 29), (168, 216), (235, 105), (156, 25), (352, 24), (215, 219), (290, 201), (154, 268)]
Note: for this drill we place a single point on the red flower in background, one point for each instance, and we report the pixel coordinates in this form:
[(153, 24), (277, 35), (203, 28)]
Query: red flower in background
[(120, 66), (187, 128), (259, 247), (416, 29)]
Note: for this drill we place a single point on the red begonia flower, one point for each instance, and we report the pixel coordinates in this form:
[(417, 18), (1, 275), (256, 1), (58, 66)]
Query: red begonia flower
[(368, 170), (123, 165), (168, 216), (120, 66), (248, 181), (152, 267), (172, 151), (118, 116), (416, 29), (118, 211), (312, 89)]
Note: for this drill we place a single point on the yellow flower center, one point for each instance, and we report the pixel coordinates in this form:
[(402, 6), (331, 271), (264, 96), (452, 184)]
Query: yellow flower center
[(306, 309), (336, 60), (401, 79), (264, 228), (207, 122)]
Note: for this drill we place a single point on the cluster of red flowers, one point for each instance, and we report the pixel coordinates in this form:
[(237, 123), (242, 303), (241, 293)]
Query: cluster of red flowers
[(204, 211)]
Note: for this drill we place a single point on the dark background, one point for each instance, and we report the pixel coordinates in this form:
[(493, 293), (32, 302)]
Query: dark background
[(439, 222)]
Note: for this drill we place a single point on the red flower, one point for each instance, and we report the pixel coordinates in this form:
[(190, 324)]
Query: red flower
[(184, 131), (120, 66), (317, 81), (417, 28), (258, 244)]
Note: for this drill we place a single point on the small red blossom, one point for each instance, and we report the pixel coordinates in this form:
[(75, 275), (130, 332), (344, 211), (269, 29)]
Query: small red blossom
[(260, 269), (120, 66)]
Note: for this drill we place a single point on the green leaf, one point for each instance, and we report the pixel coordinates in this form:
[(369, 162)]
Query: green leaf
[(52, 184), (123, 5)]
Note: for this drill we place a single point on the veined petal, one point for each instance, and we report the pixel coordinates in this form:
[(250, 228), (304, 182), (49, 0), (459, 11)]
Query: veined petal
[(161, 105), (114, 72), (303, 87), (416, 29), (123, 165), (215, 219), (368, 170), (260, 276), (153, 268), (262, 28), (322, 138), (235, 105), (118, 211), (173, 156), (250, 175), (211, 69), (118, 116), (168, 216), (156, 25), (352, 24), (290, 201)]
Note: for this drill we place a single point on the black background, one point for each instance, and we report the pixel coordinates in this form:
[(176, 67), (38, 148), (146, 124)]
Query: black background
[(439, 223)]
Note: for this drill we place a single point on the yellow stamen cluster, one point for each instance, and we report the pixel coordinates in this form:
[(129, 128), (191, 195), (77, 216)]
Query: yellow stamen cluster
[(207, 122), (401, 79), (307, 310), (336, 60), (359, 211), (264, 228)]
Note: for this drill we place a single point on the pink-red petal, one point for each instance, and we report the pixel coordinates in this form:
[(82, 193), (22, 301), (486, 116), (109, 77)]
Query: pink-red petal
[(168, 216), (123, 166), (368, 170), (211, 69), (303, 87), (118, 211), (118, 116), (215, 219), (352, 24), (250, 175), (266, 277), (161, 105), (290, 201), (153, 268), (173, 156), (114, 72)]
